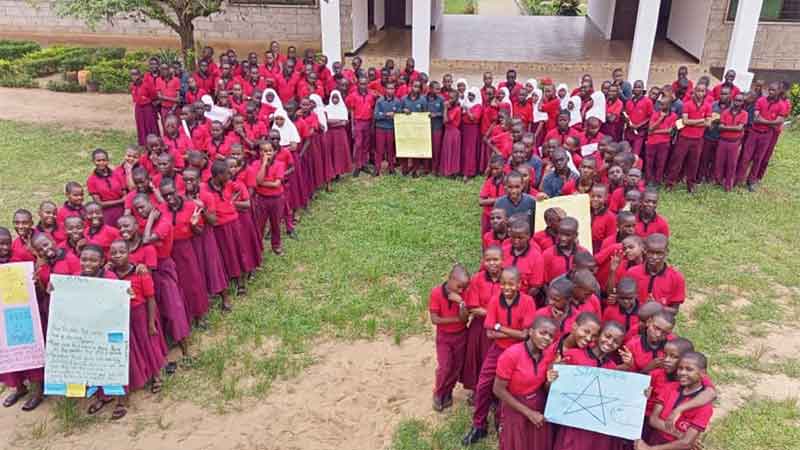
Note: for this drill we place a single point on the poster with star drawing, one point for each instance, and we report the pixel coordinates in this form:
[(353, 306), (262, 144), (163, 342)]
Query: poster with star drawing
[(605, 401)]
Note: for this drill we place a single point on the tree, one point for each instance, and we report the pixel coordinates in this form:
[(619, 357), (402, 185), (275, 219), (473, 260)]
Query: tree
[(179, 15)]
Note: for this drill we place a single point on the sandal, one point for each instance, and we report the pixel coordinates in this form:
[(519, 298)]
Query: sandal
[(98, 405), (171, 367), (156, 386), (241, 290), (33, 403), (14, 397), (119, 412)]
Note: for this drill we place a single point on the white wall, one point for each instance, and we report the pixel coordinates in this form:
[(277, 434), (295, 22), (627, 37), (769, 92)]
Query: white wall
[(601, 13), (688, 22), (360, 17), (437, 11), (379, 15), (409, 11)]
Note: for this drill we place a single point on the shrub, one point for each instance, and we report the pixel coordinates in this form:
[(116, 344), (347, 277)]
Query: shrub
[(48, 61), (11, 75), (65, 86), (17, 49), (113, 76), (794, 97), (108, 53)]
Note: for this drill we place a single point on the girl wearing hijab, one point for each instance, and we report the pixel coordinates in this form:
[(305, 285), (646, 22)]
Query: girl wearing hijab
[(472, 110), (327, 153), (575, 118), (562, 92), (462, 87), (504, 98), (270, 103), (338, 142), (539, 120), (289, 141)]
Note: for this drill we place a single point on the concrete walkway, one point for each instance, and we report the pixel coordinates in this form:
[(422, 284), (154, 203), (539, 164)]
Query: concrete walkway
[(497, 8)]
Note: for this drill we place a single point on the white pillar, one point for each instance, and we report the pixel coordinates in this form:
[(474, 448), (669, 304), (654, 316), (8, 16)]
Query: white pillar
[(643, 40), (331, 28), (421, 35), (742, 39), (379, 14)]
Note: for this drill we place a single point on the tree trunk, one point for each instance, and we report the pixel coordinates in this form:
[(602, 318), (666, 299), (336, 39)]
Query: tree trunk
[(187, 44)]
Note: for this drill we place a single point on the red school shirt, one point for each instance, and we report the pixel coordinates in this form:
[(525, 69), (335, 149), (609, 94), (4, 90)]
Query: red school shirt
[(585, 357), (65, 211), (561, 136), (604, 225), (661, 381), (20, 251), (164, 230), (146, 255), (276, 171), (565, 323), (208, 201), (769, 110), (194, 97), (168, 88), (453, 117), (142, 287), (715, 92), (362, 106), (697, 418), (65, 263), (643, 353), (523, 112), (628, 319), (106, 188), (727, 118), (544, 239), (585, 139), (488, 117), (519, 315), (128, 203), (552, 108), (492, 188), (557, 263), (205, 82), (490, 238), (102, 237), (181, 220), (658, 225), (286, 87), (440, 305), (524, 373), (482, 289), (143, 93), (529, 264), (180, 185), (695, 112), (504, 143), (615, 108), (666, 124), (226, 210), (639, 110), (667, 287), (476, 112)]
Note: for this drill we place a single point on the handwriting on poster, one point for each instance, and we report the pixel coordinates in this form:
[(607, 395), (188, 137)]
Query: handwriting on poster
[(21, 336)]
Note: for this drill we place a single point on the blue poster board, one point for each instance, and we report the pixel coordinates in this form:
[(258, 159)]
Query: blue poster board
[(606, 401)]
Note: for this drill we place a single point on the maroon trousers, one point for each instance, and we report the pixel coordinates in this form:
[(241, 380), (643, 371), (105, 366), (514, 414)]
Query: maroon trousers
[(656, 156), (270, 209), (762, 170), (484, 395), (384, 149), (450, 348), (636, 141), (687, 152), (706, 170), (754, 151), (725, 163), (362, 142)]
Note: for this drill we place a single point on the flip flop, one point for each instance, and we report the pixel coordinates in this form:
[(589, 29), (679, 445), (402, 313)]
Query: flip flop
[(14, 397), (33, 403), (156, 386), (171, 367), (119, 412), (98, 406)]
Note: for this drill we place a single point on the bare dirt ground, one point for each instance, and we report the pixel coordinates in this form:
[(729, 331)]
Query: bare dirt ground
[(95, 111)]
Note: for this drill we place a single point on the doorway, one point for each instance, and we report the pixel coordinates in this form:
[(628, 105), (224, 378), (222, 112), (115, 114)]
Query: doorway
[(395, 13), (625, 19)]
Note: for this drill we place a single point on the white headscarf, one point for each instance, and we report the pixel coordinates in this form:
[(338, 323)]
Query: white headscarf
[(534, 83), (276, 101), (207, 100), (574, 113), (469, 104), (564, 100), (336, 111), (466, 86), (319, 110), (538, 116), (288, 131), (598, 108), (507, 98)]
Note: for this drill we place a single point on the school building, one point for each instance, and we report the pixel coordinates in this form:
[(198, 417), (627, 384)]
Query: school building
[(644, 36)]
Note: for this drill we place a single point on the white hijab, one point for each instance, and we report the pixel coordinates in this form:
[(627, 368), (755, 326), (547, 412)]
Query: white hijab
[(469, 104), (538, 116), (336, 111), (598, 108), (288, 131), (507, 98), (319, 110), (574, 113), (276, 101), (564, 100), (534, 83)]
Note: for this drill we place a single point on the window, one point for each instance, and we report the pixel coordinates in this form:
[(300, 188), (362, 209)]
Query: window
[(276, 2), (772, 10)]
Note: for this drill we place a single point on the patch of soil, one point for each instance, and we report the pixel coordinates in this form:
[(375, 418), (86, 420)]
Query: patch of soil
[(79, 110)]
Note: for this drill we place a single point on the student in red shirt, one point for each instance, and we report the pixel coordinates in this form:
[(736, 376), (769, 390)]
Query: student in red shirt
[(657, 280), (508, 318), (638, 111), (622, 306), (562, 130), (143, 92), (730, 76), (559, 306), (524, 256), (614, 124), (97, 232), (498, 234), (604, 222), (22, 247), (784, 86), (770, 113), (106, 189), (470, 133), (268, 174), (691, 422), (168, 88), (689, 146), (227, 227), (205, 80), (450, 158), (659, 136), (483, 287), (617, 259), (549, 236), (522, 374), (492, 189), (648, 221), (732, 122), (361, 105), (73, 207), (550, 103), (647, 347), (559, 258), (47, 218), (449, 314)]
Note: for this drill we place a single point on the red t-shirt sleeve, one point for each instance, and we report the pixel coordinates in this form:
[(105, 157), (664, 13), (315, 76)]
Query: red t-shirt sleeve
[(679, 291), (434, 305), (505, 365), (148, 288)]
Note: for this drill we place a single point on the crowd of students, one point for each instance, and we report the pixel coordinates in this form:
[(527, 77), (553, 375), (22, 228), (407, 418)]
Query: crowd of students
[(186, 213)]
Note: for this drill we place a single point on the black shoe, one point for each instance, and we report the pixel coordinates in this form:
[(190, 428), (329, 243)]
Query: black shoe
[(751, 187), (356, 173), (292, 234), (474, 435)]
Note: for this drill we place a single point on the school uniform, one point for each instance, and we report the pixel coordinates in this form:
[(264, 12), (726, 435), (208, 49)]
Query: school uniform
[(728, 149), (518, 314), (450, 158), (616, 201), (614, 129), (604, 225), (762, 169), (667, 287), (658, 147), (206, 248), (492, 188), (560, 135), (526, 376), (488, 117), (525, 206), (557, 263), (710, 144), (608, 248), (143, 94), (545, 239), (65, 211), (642, 351), (658, 224), (268, 201), (689, 146), (552, 108), (419, 104), (503, 142), (168, 88), (102, 237), (529, 263), (471, 141), (638, 110), (450, 343), (490, 238), (697, 418), (565, 323), (436, 109), (482, 289), (310, 130), (361, 107), (627, 318), (191, 280), (759, 139)]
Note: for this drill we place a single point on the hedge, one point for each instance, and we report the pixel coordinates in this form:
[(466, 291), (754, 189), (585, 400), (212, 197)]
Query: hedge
[(17, 49), (113, 76)]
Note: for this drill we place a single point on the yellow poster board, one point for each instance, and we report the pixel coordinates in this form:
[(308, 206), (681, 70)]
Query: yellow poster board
[(412, 135), (576, 206)]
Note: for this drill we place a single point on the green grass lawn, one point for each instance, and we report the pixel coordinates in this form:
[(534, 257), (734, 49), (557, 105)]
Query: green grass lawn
[(460, 6), (369, 252)]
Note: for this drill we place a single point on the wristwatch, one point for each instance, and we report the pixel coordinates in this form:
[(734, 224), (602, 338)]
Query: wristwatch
[(497, 326)]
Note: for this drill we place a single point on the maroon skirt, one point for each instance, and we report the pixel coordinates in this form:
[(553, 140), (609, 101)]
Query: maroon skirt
[(518, 433), (327, 158), (227, 236), (307, 177), (613, 129), (250, 245), (470, 149), (170, 300), (111, 214), (483, 158), (191, 279), (146, 122), (148, 354), (450, 158), (477, 346), (339, 146), (315, 150), (207, 251), (568, 438), (294, 188)]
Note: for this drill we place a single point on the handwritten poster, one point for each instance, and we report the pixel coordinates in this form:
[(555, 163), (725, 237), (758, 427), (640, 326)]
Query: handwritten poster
[(87, 334), (21, 337), (412, 135), (577, 207), (605, 401)]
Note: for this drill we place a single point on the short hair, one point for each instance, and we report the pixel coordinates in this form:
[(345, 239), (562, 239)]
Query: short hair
[(698, 358), (682, 344), (587, 316), (627, 284)]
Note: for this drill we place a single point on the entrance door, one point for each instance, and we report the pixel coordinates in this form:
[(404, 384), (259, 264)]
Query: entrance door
[(663, 19), (395, 13), (624, 20)]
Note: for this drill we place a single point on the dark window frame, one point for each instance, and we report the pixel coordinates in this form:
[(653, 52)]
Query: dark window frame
[(730, 15)]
